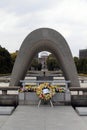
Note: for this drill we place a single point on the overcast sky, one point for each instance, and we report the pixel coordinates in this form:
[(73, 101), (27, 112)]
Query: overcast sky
[(19, 17)]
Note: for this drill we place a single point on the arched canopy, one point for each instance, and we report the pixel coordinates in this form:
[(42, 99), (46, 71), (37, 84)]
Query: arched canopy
[(44, 39)]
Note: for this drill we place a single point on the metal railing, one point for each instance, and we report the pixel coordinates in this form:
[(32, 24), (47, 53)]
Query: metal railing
[(45, 81)]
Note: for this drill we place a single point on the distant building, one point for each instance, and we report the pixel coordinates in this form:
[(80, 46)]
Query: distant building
[(83, 53), (42, 60)]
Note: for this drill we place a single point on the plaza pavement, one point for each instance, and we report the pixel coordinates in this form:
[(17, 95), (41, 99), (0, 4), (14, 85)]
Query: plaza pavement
[(43, 118)]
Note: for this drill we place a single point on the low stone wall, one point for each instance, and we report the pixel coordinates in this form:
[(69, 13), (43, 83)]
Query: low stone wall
[(28, 98), (79, 100), (9, 100), (32, 98)]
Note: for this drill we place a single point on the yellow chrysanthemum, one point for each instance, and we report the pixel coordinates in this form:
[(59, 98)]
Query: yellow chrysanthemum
[(45, 91)]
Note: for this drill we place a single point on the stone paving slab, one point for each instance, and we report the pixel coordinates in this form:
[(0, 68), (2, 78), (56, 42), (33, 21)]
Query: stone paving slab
[(82, 111), (44, 118), (6, 110), (3, 119)]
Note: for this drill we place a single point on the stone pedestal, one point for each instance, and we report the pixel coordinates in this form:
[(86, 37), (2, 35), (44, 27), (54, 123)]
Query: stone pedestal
[(67, 96), (33, 99), (6, 110), (28, 98), (9, 100), (58, 97)]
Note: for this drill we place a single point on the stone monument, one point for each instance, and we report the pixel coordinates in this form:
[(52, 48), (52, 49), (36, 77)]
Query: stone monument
[(44, 39)]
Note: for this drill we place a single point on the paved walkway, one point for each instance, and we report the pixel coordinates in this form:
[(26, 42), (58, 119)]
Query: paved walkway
[(43, 118)]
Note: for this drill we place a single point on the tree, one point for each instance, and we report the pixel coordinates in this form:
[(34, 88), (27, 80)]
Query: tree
[(81, 65), (5, 61), (76, 60), (36, 65), (13, 57), (52, 63)]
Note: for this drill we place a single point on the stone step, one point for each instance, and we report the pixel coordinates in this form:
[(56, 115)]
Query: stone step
[(82, 111), (6, 110)]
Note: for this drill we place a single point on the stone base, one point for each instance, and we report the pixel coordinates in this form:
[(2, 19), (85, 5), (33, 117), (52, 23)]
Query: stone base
[(9, 100), (79, 100), (82, 111), (6, 110), (28, 98), (32, 98)]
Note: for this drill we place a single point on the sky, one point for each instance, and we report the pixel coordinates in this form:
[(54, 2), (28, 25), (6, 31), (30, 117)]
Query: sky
[(20, 17)]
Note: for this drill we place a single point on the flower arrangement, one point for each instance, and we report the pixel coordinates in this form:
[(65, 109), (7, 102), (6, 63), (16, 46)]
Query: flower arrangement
[(27, 88), (59, 89), (45, 91)]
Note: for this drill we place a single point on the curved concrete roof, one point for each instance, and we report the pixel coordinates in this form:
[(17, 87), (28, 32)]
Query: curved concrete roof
[(44, 39)]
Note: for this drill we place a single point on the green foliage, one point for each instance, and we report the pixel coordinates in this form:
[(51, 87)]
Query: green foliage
[(81, 65), (5, 61), (76, 60), (36, 65), (39, 66), (52, 63), (13, 57)]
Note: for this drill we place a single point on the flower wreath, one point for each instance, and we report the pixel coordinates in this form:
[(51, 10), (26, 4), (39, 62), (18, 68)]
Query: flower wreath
[(45, 91)]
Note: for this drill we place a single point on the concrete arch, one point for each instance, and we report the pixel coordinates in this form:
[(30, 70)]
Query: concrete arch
[(44, 39)]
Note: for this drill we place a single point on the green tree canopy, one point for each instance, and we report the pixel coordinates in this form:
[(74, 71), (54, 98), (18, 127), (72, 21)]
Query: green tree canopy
[(35, 64), (52, 63), (13, 57), (81, 65), (5, 61)]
